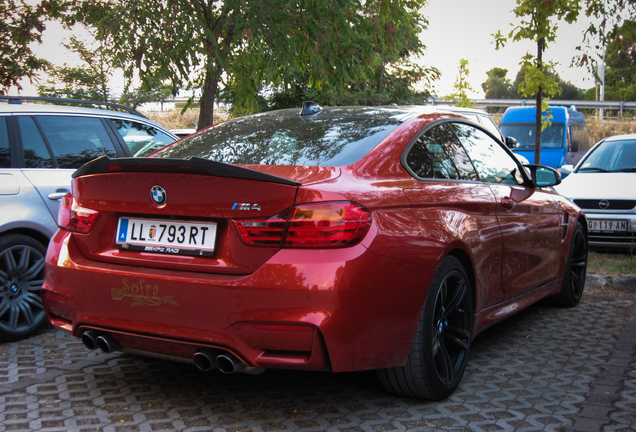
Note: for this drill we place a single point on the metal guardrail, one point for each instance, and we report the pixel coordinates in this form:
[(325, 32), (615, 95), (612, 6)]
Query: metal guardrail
[(580, 104)]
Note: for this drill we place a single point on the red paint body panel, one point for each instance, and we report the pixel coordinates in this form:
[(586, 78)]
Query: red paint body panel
[(347, 295), (347, 308)]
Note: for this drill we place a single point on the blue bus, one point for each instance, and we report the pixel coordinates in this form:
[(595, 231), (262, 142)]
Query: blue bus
[(565, 141)]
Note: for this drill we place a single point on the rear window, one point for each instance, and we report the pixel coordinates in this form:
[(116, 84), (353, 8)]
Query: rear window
[(267, 140)]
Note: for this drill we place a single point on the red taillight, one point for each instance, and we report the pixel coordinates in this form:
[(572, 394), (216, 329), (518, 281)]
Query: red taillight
[(261, 232), (320, 225), (72, 217)]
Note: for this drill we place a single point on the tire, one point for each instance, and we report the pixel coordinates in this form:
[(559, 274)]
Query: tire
[(21, 276), (575, 271), (440, 350)]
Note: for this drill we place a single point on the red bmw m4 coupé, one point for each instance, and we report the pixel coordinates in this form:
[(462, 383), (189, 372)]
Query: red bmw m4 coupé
[(334, 239)]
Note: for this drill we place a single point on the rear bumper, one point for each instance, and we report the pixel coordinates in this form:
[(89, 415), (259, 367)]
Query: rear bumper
[(344, 309)]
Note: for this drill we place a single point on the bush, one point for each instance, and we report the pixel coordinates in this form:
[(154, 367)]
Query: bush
[(174, 120)]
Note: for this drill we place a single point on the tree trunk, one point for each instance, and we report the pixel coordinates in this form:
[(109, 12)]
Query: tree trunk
[(537, 130), (538, 126), (206, 115)]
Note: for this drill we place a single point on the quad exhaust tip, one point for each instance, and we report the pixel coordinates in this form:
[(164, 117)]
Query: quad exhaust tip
[(89, 339), (207, 360), (93, 340)]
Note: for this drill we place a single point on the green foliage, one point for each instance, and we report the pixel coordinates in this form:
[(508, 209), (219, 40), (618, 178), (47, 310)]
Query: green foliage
[(611, 15), (90, 80), (461, 87), (387, 74), (87, 81), (620, 63), (538, 25), (22, 24), (242, 47), (497, 86)]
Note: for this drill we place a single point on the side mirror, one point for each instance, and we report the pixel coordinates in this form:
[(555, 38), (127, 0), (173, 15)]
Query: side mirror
[(543, 176), (511, 142), (575, 146)]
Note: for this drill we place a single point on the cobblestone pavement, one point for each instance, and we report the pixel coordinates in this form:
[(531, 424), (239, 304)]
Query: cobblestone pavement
[(546, 369)]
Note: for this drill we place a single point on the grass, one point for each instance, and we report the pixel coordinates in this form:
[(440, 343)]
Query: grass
[(600, 129), (173, 119), (611, 264)]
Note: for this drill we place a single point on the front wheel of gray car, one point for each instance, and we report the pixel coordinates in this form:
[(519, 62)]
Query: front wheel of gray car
[(21, 276)]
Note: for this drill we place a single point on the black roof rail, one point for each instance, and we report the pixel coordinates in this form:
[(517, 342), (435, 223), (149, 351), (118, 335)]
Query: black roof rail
[(19, 99)]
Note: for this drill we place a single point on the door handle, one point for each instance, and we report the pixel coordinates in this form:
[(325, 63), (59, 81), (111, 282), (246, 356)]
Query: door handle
[(508, 203), (59, 193)]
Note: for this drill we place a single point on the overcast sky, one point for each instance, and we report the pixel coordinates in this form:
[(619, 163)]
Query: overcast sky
[(457, 29), (462, 29)]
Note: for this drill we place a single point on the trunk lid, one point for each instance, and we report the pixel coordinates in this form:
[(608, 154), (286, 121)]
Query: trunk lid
[(199, 194)]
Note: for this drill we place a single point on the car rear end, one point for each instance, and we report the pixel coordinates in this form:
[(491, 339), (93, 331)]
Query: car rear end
[(226, 267)]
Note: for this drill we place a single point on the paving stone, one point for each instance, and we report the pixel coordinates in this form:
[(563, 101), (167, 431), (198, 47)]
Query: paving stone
[(545, 369)]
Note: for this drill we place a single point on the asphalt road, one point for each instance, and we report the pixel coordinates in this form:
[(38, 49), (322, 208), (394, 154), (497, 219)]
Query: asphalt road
[(545, 369)]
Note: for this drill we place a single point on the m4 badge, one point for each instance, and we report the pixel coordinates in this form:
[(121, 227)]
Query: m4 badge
[(246, 206)]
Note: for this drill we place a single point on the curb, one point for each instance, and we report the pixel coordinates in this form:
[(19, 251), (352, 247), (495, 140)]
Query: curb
[(624, 283)]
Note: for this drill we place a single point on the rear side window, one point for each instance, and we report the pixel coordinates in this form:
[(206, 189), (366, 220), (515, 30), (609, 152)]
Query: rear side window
[(5, 153), (76, 140), (325, 141), (140, 138), (491, 161), (438, 154), (36, 153)]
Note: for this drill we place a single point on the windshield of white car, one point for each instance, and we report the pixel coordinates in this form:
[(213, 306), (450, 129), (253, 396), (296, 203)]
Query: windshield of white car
[(611, 156)]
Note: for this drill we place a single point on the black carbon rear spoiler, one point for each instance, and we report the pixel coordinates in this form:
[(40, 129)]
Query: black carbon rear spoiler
[(202, 166)]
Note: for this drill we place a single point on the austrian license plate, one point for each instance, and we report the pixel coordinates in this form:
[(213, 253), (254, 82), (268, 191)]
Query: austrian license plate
[(166, 236), (607, 225)]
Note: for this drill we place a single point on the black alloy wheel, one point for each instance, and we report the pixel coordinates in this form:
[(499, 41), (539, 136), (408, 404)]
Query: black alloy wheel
[(441, 347), (575, 270), (21, 276)]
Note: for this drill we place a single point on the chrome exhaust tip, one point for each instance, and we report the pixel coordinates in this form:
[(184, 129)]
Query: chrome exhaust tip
[(227, 363), (89, 339), (108, 344), (205, 360)]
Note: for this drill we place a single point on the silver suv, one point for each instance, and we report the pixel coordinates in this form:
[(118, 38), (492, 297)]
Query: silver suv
[(40, 147)]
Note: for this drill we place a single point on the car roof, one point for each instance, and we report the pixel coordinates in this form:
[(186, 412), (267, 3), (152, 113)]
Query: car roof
[(397, 113), (621, 137), (30, 108)]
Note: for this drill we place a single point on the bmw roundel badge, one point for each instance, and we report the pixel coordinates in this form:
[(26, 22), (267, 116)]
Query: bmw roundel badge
[(158, 195)]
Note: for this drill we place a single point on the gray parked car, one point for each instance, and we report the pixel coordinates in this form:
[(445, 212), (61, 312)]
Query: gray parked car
[(40, 147)]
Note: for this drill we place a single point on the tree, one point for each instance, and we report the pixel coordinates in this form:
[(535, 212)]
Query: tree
[(461, 87), (91, 78), (389, 76), (538, 25), (243, 44), (20, 25), (614, 15), (497, 86), (566, 90), (620, 63)]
